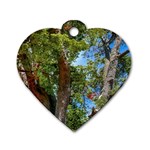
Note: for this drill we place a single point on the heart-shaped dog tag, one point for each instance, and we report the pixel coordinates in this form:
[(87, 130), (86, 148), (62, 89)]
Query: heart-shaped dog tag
[(74, 76)]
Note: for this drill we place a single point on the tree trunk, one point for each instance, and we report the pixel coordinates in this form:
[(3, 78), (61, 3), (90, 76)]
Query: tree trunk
[(38, 91), (64, 88), (107, 57), (106, 67), (110, 71)]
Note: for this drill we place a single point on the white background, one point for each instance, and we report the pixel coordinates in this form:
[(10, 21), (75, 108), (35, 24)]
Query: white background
[(124, 124)]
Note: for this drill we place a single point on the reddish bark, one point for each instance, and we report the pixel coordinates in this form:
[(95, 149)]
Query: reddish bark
[(39, 92), (64, 88), (32, 82)]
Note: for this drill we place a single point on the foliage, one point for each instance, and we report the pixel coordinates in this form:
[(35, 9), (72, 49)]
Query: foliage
[(76, 116), (39, 55), (43, 49)]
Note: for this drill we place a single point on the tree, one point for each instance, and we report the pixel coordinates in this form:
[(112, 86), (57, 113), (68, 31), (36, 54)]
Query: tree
[(110, 67), (73, 77), (46, 62), (110, 72)]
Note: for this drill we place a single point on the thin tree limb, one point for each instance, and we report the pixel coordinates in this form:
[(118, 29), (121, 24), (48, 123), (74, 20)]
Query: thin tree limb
[(123, 54)]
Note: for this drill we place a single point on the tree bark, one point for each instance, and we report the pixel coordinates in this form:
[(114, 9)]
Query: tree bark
[(110, 72), (38, 91), (64, 91), (107, 57)]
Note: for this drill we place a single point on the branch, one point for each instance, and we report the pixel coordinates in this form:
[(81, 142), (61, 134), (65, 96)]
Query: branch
[(113, 37), (123, 54), (20, 70)]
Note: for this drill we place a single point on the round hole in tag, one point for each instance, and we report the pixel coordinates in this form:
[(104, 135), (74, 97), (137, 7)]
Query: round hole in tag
[(70, 25), (74, 31)]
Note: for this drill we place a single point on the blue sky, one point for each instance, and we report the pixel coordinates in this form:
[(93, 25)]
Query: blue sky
[(123, 47), (81, 60)]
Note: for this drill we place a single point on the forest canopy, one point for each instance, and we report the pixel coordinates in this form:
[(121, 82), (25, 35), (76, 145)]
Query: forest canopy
[(74, 77)]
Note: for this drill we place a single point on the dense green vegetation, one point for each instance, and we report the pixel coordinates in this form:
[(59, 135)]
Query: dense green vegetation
[(74, 77)]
